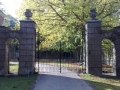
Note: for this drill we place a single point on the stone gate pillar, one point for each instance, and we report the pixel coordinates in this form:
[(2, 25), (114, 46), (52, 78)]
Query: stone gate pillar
[(27, 45), (93, 45), (117, 48), (3, 52)]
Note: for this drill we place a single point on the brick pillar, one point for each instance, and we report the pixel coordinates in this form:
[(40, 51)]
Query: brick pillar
[(3, 52), (93, 47), (27, 47)]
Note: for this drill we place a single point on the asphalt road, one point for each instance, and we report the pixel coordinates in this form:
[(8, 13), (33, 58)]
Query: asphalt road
[(52, 79), (60, 81)]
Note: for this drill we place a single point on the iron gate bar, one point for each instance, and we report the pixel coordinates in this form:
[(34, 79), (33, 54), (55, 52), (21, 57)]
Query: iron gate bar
[(60, 57), (38, 43)]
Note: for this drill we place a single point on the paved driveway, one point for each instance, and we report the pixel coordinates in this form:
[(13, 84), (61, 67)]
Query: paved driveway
[(60, 81)]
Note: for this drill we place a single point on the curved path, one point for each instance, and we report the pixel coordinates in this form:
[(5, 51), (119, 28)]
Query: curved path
[(60, 81)]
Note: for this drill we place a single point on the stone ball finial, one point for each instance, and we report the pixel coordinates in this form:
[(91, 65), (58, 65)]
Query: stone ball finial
[(28, 14), (93, 14)]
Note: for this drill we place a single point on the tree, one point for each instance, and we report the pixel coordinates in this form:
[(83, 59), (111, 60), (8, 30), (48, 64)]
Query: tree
[(11, 22), (64, 20), (2, 8)]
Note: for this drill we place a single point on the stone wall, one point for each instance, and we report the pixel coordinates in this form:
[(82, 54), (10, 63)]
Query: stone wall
[(27, 47), (3, 51), (93, 38), (93, 47), (117, 48), (26, 36)]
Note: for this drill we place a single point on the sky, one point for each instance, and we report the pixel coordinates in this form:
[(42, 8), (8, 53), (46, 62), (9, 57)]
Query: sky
[(11, 6)]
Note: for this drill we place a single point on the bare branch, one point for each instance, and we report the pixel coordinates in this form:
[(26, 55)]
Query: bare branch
[(53, 4), (76, 15), (102, 9), (58, 14), (105, 7)]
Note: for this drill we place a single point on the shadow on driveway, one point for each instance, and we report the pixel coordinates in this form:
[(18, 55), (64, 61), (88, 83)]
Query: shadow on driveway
[(63, 81)]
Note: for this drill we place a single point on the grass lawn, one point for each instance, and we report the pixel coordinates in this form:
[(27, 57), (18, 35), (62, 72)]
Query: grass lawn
[(13, 68), (16, 82), (101, 83)]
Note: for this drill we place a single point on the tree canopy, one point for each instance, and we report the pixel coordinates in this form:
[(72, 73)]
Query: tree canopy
[(64, 20)]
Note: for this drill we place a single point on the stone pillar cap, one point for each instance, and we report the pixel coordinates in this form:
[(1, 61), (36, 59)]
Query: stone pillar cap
[(28, 14), (93, 15)]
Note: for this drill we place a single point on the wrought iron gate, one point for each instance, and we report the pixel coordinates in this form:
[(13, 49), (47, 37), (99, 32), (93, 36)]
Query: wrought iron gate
[(47, 61), (58, 65), (57, 61)]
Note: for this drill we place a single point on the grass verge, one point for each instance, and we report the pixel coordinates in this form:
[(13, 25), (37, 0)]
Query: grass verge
[(17, 83), (13, 68), (101, 83)]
